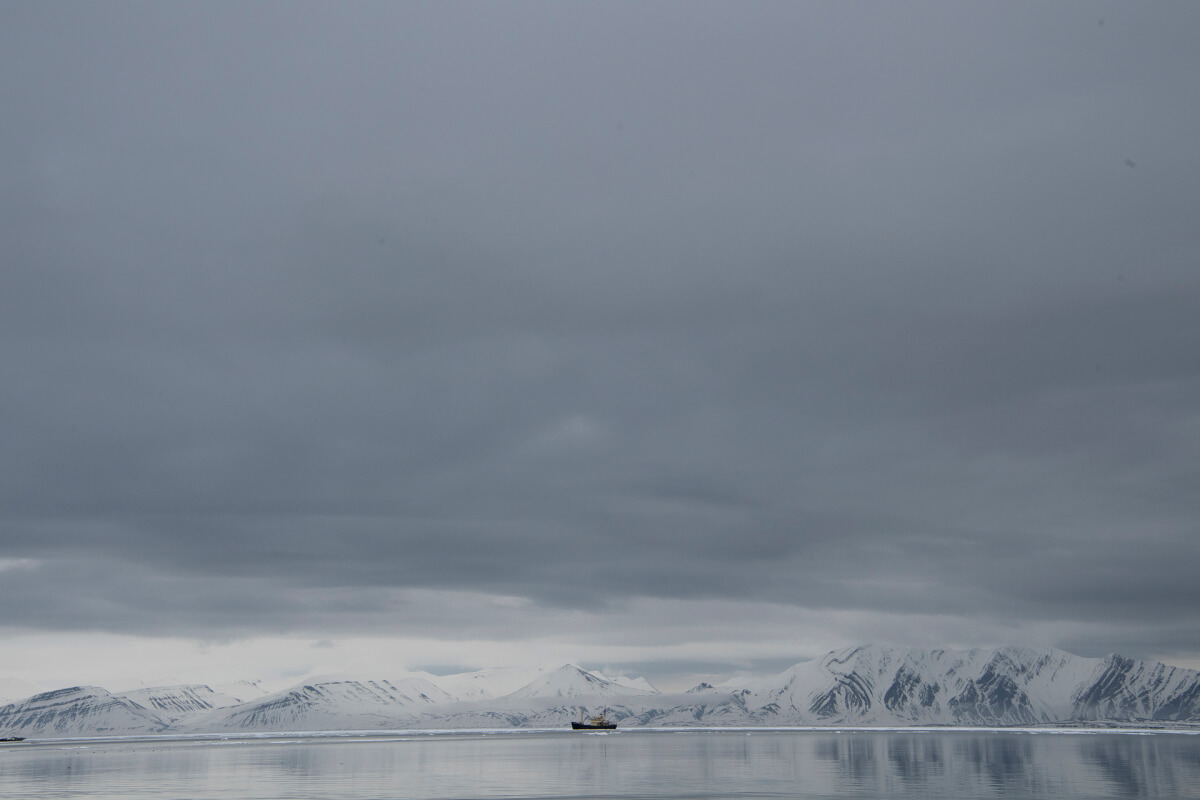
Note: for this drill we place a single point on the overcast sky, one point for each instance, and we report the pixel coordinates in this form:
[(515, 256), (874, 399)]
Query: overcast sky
[(676, 338)]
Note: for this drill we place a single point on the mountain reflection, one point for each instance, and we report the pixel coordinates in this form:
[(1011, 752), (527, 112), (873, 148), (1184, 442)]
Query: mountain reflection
[(678, 765), (1150, 766), (916, 759)]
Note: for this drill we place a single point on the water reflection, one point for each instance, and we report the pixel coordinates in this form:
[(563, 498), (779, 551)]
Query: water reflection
[(854, 757), (916, 760), (677, 765), (1154, 767), (998, 761)]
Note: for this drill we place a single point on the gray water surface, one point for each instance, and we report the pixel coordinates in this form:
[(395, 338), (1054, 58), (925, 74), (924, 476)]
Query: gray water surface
[(623, 764)]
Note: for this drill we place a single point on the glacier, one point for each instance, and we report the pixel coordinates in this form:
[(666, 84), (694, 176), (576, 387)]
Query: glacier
[(865, 686)]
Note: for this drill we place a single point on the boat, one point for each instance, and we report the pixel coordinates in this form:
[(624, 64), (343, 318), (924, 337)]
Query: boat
[(597, 723), (13, 739)]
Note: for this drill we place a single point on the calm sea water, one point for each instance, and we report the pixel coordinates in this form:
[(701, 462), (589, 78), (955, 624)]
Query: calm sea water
[(623, 764)]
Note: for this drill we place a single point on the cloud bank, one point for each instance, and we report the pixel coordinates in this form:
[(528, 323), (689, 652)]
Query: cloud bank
[(682, 326)]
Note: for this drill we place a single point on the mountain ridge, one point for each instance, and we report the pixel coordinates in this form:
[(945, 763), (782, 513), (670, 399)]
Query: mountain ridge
[(862, 686)]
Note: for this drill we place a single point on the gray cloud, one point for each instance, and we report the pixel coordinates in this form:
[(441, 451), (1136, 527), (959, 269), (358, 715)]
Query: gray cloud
[(793, 304)]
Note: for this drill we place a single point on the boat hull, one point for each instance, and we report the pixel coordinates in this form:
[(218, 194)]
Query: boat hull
[(585, 726)]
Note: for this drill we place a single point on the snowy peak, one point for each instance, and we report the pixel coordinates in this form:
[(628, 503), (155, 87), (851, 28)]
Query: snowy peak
[(872, 685), (78, 711), (331, 703), (176, 702), (1122, 688), (404, 691), (639, 685), (485, 684), (570, 681), (859, 686), (241, 691)]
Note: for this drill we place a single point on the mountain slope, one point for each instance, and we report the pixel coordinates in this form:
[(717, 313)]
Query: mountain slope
[(570, 681), (860, 686), (174, 703), (1122, 688), (345, 703), (486, 683), (871, 685), (1009, 686), (78, 711)]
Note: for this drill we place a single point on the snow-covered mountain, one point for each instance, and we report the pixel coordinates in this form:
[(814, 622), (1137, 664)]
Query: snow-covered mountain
[(79, 711), (175, 703), (1009, 686), (640, 684), (570, 681), (329, 704), (861, 686), (888, 686), (1122, 688), (485, 684)]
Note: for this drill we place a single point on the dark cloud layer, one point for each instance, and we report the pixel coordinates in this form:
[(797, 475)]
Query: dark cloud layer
[(887, 309)]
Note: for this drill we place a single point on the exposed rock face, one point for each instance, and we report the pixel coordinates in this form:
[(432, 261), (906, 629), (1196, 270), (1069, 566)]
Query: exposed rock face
[(1125, 689), (78, 711), (858, 686)]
